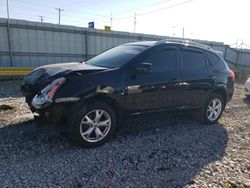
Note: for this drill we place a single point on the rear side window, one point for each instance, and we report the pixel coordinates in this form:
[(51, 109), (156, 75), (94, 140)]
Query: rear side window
[(216, 62), (213, 59), (163, 61), (193, 60)]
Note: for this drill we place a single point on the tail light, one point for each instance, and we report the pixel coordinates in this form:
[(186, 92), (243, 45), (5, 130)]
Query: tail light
[(231, 73)]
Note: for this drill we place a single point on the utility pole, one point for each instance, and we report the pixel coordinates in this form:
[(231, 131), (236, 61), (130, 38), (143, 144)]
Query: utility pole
[(59, 15), (135, 23), (41, 17), (239, 54), (183, 32), (8, 13), (242, 43), (237, 43), (111, 20)]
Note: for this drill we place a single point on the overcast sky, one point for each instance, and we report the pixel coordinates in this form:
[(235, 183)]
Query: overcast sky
[(218, 20)]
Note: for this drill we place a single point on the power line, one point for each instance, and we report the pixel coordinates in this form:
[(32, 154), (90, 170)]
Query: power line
[(32, 17), (26, 13), (135, 9), (142, 7), (50, 13), (78, 19), (31, 10), (86, 13), (74, 17), (246, 45), (171, 6), (68, 10), (77, 2), (152, 11)]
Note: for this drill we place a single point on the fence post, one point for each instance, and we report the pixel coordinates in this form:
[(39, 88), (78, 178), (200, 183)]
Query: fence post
[(225, 55), (9, 42), (238, 59), (86, 44)]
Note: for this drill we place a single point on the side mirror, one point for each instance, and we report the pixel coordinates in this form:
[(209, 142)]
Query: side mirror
[(144, 68)]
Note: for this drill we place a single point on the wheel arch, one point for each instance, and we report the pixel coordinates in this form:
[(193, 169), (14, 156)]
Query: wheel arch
[(108, 100), (222, 92), (84, 102)]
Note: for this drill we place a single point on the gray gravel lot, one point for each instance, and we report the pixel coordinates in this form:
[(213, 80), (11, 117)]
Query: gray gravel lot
[(168, 150)]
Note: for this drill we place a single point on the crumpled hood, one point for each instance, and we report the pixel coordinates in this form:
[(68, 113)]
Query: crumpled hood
[(42, 73)]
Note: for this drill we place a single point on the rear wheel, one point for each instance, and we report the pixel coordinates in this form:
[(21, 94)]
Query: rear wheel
[(212, 109), (94, 125)]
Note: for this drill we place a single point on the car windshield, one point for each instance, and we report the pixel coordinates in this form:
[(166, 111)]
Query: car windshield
[(116, 57)]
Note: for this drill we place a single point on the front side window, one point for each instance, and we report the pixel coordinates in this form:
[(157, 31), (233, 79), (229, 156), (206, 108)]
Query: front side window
[(163, 61), (117, 56), (193, 60)]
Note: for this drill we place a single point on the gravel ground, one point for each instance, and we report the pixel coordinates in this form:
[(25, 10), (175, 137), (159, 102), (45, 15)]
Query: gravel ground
[(156, 151)]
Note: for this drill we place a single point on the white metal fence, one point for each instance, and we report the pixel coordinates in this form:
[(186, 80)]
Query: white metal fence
[(32, 44)]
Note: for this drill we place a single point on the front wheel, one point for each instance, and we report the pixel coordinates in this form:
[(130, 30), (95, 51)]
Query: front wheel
[(94, 125), (212, 109)]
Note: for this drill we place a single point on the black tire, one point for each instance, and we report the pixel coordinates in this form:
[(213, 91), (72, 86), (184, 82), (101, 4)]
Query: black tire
[(39, 121), (75, 125), (202, 114)]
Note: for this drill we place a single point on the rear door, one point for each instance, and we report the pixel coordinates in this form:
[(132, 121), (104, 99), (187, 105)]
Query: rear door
[(158, 89), (197, 77)]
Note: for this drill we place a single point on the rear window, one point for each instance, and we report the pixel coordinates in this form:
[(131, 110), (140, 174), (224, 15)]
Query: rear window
[(217, 63), (117, 56), (193, 60)]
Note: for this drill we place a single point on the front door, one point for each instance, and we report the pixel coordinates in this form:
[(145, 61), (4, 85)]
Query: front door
[(158, 89)]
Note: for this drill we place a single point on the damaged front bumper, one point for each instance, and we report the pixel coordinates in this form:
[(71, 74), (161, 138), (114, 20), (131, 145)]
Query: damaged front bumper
[(46, 104), (55, 112)]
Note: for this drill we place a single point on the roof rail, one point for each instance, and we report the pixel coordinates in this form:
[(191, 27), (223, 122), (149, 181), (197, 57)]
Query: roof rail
[(182, 41)]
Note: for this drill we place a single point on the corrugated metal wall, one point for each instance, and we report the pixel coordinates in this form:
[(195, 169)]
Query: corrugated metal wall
[(33, 44)]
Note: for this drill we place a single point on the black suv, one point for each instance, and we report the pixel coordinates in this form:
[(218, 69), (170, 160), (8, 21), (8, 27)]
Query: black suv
[(140, 77)]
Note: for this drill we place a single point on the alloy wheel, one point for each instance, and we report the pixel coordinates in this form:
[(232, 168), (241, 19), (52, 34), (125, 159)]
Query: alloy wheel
[(95, 125), (214, 109)]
